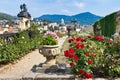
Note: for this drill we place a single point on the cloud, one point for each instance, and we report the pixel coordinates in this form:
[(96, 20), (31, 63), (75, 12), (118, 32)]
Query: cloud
[(65, 11), (79, 4)]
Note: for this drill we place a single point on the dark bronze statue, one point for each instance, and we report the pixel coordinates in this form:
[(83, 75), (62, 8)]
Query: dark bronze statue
[(23, 7), (98, 30), (69, 28), (24, 12)]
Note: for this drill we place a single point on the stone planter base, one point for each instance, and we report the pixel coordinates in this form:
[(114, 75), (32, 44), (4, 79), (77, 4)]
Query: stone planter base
[(54, 69)]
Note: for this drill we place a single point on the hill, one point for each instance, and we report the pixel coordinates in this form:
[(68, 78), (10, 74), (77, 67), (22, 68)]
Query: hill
[(85, 18), (4, 16)]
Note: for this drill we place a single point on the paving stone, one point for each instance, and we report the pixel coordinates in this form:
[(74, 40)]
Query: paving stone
[(11, 78), (54, 77), (29, 76)]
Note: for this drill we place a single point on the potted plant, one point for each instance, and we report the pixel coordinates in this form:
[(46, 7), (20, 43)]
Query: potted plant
[(49, 47)]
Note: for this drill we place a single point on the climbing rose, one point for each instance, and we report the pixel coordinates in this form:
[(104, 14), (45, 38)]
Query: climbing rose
[(89, 62)]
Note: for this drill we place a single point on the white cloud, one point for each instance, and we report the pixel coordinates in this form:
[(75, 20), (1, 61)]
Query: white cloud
[(79, 4), (65, 11)]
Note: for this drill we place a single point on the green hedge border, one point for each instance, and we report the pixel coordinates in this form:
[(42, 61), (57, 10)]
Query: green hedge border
[(107, 24)]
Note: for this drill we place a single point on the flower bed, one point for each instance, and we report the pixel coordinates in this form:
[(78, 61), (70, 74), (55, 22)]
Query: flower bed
[(93, 56)]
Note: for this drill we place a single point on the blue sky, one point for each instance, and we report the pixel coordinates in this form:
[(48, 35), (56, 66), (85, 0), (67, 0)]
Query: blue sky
[(68, 7)]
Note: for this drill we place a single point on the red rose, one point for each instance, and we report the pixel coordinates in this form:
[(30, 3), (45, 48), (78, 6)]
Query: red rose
[(90, 76), (92, 55), (82, 46), (83, 40), (77, 45), (89, 36), (71, 50), (89, 62), (70, 40), (78, 39), (85, 74), (87, 54), (71, 64), (80, 71), (76, 58), (66, 53), (71, 55), (98, 38)]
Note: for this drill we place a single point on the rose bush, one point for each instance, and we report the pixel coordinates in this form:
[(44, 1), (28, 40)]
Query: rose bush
[(91, 55), (81, 59)]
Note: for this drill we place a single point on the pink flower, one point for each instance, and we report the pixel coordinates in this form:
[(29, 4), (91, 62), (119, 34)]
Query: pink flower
[(52, 34)]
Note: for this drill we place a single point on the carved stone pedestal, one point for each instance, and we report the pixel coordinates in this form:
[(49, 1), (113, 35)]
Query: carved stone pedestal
[(50, 52)]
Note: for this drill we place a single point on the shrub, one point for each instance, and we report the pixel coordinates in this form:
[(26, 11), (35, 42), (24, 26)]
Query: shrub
[(93, 56), (22, 43)]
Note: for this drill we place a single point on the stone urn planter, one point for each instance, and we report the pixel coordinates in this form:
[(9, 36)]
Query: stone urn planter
[(50, 52)]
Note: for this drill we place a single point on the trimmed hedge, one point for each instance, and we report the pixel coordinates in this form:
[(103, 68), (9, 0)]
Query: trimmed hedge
[(107, 24)]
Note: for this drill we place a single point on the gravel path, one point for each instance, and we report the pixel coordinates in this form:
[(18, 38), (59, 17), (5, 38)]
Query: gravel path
[(24, 65)]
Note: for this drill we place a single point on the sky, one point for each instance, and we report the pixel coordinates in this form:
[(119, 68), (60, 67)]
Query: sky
[(68, 7)]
